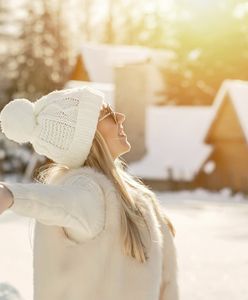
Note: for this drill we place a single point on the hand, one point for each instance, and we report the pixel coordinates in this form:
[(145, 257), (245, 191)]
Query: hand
[(6, 198)]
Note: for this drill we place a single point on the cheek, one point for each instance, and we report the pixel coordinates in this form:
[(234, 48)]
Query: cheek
[(108, 130), (102, 128)]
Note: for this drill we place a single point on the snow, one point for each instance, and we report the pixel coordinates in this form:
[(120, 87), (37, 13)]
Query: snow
[(100, 59), (211, 241), (16, 253), (174, 141), (179, 134), (239, 95)]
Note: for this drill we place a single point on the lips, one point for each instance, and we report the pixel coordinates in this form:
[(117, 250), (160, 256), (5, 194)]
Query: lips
[(122, 133)]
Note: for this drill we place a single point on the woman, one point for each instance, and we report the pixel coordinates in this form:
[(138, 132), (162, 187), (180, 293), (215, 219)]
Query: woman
[(99, 233)]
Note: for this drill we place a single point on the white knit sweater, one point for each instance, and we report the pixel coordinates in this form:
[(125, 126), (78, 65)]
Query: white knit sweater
[(77, 247)]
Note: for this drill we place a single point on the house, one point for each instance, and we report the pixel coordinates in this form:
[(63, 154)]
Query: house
[(175, 144), (174, 147), (79, 72), (128, 95), (127, 78), (97, 63), (200, 146), (227, 165)]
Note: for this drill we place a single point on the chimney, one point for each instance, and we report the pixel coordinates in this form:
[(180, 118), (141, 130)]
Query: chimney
[(131, 93)]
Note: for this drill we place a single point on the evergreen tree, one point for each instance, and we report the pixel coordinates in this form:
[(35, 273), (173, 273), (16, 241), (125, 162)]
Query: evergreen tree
[(211, 46), (37, 54), (11, 19), (47, 53)]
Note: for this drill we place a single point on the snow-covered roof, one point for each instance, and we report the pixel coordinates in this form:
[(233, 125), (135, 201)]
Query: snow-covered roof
[(237, 92), (100, 59), (174, 140)]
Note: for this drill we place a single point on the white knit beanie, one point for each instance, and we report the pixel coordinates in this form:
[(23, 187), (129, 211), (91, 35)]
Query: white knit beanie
[(60, 125)]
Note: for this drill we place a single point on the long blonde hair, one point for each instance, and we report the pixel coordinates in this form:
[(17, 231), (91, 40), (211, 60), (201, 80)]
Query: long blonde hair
[(132, 216)]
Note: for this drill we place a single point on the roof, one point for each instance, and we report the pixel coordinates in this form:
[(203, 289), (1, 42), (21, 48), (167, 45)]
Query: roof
[(100, 59), (235, 91), (174, 140)]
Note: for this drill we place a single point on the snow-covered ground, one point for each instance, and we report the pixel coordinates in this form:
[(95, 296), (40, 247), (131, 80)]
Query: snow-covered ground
[(212, 243), (211, 239)]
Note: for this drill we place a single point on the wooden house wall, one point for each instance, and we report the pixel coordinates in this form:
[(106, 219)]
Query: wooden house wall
[(226, 125), (231, 161), (79, 72)]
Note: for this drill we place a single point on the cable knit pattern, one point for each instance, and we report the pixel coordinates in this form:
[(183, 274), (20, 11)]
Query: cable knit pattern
[(60, 125), (78, 252)]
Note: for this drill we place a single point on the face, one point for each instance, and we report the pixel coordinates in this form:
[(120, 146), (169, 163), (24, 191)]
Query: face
[(110, 125)]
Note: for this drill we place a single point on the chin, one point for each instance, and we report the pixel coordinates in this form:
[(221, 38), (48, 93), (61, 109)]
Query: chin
[(123, 151), (128, 148)]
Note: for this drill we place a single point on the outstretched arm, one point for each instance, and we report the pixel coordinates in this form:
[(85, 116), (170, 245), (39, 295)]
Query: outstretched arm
[(78, 206)]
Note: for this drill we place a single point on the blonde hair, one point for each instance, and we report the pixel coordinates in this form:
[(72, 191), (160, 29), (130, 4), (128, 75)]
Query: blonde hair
[(132, 216)]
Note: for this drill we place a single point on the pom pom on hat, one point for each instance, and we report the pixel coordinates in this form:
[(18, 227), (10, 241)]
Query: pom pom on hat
[(60, 125), (18, 120)]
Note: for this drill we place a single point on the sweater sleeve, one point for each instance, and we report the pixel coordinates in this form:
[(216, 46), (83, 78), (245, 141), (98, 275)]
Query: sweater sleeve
[(169, 285), (78, 205)]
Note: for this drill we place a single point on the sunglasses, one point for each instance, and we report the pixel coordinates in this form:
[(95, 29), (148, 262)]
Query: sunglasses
[(109, 112)]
